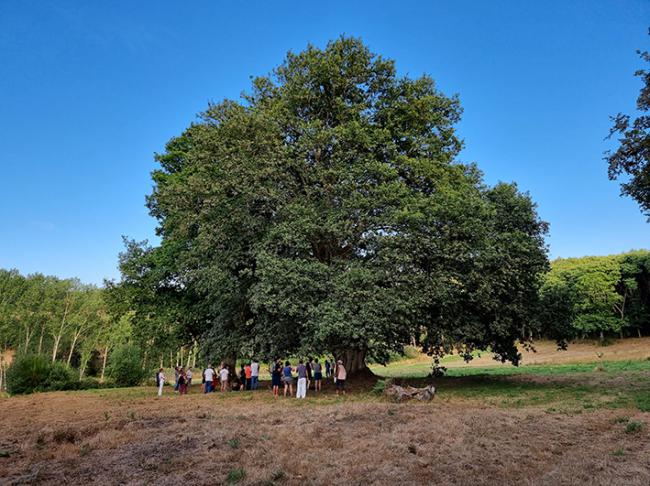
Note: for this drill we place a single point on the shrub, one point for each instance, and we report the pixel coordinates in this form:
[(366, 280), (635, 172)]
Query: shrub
[(411, 352), (125, 366), (633, 427), (60, 377), (27, 374), (30, 373)]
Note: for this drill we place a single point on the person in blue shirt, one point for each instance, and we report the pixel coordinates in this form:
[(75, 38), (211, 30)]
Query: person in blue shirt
[(288, 378)]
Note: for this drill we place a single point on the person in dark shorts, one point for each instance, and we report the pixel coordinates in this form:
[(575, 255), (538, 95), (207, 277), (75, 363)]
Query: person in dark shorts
[(318, 374), (288, 378), (276, 378)]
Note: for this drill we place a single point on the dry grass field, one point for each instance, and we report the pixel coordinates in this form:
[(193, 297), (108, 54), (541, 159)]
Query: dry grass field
[(552, 424)]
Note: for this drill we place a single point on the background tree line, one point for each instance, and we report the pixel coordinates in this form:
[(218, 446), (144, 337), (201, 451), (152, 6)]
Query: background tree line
[(597, 296), (62, 319), (79, 327)]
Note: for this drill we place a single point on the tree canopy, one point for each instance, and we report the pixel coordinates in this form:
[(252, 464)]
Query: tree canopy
[(327, 211)]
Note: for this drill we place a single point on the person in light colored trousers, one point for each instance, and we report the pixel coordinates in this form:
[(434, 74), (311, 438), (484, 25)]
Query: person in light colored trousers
[(161, 381), (301, 389)]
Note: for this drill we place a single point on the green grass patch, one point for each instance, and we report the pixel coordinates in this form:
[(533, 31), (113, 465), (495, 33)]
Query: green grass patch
[(423, 369), (642, 400), (236, 475), (633, 427)]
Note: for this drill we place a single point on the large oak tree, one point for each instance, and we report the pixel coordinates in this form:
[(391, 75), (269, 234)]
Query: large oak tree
[(327, 211)]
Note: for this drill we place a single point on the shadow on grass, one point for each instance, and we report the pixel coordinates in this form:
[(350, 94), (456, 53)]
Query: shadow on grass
[(571, 395)]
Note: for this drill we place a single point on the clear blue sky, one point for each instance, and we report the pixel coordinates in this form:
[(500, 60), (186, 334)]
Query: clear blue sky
[(90, 90)]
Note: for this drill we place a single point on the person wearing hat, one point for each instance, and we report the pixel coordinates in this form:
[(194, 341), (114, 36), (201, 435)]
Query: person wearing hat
[(341, 375)]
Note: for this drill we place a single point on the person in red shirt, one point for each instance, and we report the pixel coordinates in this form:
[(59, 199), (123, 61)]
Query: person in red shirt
[(248, 376)]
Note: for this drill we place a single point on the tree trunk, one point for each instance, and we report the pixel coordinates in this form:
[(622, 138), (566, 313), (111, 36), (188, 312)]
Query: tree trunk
[(2, 370), (28, 337), (638, 330), (230, 360), (40, 340), (55, 347), (74, 343), (354, 360), (57, 338), (101, 378)]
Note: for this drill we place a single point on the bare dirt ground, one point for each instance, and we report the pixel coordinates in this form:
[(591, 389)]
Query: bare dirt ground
[(132, 437)]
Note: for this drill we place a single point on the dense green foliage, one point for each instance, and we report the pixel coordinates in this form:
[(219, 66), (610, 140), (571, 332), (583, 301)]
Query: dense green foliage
[(632, 157), (597, 296), (327, 212), (27, 374), (125, 366), (33, 372)]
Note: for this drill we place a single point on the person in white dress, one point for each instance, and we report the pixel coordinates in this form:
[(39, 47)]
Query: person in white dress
[(161, 381)]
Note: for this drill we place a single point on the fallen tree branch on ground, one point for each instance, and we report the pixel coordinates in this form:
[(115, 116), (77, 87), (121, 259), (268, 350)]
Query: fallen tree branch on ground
[(403, 393)]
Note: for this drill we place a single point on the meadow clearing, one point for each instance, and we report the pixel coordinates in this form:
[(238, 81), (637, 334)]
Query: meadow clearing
[(559, 419)]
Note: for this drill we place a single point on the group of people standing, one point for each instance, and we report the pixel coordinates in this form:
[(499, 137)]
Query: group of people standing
[(247, 379), (182, 380), (308, 373)]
